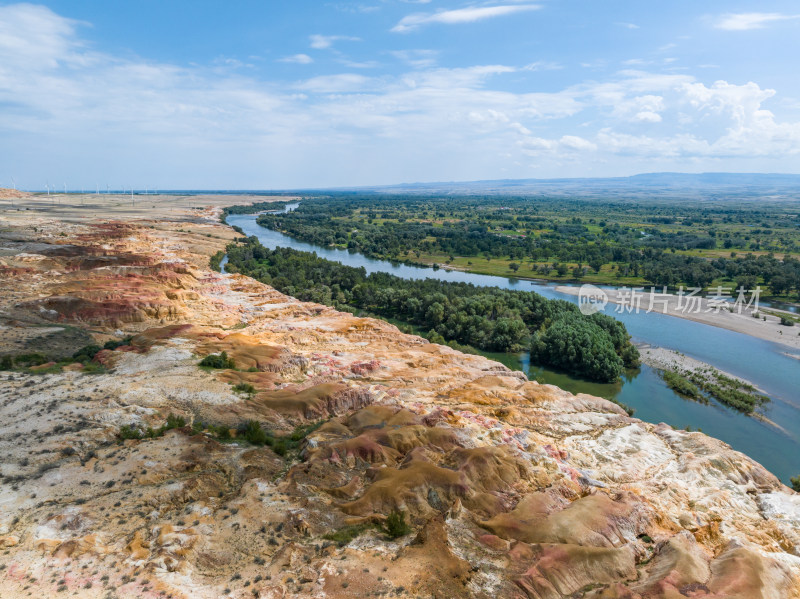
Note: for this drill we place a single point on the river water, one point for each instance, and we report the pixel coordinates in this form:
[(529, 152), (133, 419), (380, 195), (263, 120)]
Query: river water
[(761, 362)]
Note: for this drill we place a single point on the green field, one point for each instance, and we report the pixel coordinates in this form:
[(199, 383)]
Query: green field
[(618, 242)]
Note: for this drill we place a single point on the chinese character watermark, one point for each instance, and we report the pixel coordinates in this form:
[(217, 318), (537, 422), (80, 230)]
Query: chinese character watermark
[(592, 299)]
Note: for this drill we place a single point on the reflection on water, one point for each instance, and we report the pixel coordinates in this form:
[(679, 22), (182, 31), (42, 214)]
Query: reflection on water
[(761, 362)]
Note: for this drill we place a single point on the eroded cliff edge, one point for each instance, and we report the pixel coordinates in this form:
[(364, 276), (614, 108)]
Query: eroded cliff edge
[(513, 489)]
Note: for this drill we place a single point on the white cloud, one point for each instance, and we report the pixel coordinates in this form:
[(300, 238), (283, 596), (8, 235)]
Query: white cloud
[(542, 65), (39, 38), (419, 59), (323, 42), (624, 144), (68, 107), (356, 8), (597, 64), (460, 15), (647, 116), (722, 121), (343, 83), (628, 25), (640, 109), (297, 59), (751, 20), (452, 78), (573, 142), (356, 64), (566, 145)]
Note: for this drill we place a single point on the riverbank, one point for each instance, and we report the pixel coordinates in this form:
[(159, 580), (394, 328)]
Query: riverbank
[(662, 358), (753, 359), (690, 377), (765, 326), (499, 268)]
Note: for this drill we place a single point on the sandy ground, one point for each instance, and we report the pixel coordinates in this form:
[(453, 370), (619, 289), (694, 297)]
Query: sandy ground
[(189, 218), (90, 207), (510, 486), (662, 358), (705, 312)]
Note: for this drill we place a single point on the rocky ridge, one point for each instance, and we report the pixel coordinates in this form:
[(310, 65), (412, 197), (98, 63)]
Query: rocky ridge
[(511, 488)]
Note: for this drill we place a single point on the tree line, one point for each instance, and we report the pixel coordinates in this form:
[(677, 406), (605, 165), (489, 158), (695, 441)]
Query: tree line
[(460, 229), (595, 347)]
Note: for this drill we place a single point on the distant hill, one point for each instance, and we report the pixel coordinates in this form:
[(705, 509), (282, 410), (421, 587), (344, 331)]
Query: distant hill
[(664, 185)]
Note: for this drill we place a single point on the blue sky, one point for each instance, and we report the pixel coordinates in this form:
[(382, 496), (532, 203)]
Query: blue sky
[(266, 95)]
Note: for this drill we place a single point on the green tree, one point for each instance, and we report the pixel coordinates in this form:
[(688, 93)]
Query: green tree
[(396, 525), (435, 314), (572, 343)]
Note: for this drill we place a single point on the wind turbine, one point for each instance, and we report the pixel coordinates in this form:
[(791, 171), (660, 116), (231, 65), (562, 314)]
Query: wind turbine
[(13, 184)]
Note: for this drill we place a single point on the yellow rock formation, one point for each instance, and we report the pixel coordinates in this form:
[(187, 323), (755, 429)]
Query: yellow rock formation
[(510, 488)]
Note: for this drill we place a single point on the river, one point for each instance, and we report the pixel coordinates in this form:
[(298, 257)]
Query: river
[(761, 362)]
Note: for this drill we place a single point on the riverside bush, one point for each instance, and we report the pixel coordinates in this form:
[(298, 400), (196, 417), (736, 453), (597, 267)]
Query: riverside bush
[(681, 385)]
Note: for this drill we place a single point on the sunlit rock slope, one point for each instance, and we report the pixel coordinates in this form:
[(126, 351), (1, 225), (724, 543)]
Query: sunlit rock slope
[(510, 488)]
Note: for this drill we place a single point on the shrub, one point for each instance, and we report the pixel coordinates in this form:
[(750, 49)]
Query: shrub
[(129, 432), (795, 480), (221, 432), (253, 433), (174, 422), (302, 431), (132, 432), (344, 535), (681, 385), (31, 359), (87, 353), (217, 361), (396, 525), (93, 368), (244, 388), (279, 447), (113, 344), (787, 322)]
